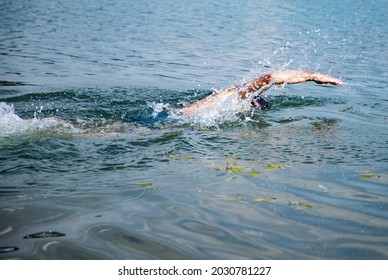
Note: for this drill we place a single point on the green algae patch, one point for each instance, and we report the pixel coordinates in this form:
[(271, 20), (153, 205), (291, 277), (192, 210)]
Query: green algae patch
[(261, 199), (254, 173), (233, 167), (237, 169), (272, 165), (299, 206), (369, 176), (144, 185), (185, 157)]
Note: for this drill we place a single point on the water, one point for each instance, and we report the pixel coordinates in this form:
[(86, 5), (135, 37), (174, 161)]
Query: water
[(116, 174)]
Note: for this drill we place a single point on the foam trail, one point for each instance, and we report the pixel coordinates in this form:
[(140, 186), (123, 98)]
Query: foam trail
[(11, 124)]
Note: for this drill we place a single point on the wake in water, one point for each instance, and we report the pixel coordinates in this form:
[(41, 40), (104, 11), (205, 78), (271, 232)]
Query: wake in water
[(12, 125)]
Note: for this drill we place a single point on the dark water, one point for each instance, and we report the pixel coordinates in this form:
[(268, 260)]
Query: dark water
[(118, 175)]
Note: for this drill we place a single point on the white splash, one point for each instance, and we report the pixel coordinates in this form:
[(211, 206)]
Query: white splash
[(11, 124), (158, 108), (227, 109)]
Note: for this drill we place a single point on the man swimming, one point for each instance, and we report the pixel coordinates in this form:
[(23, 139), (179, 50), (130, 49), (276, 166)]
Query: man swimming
[(251, 90)]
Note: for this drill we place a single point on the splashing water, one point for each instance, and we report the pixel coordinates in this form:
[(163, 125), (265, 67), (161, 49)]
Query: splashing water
[(11, 124), (223, 110)]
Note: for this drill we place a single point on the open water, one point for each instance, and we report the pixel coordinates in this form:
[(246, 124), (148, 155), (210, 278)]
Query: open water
[(118, 175)]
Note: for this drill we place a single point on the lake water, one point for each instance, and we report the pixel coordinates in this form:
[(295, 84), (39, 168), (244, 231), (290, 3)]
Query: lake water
[(118, 175)]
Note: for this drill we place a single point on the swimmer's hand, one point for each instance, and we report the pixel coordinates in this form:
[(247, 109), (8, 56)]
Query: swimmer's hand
[(323, 79), (295, 76)]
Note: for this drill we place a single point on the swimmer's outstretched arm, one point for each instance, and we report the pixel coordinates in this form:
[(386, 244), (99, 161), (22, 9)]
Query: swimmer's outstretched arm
[(295, 76), (258, 86)]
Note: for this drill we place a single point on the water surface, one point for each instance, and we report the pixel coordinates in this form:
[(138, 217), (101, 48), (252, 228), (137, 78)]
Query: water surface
[(116, 174)]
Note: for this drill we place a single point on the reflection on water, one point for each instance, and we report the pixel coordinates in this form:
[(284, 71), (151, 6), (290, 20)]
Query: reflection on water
[(46, 234), (105, 168)]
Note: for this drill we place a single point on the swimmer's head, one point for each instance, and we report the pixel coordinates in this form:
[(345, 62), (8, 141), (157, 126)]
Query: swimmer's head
[(259, 102)]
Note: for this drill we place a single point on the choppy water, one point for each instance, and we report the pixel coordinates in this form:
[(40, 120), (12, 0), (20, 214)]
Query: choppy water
[(118, 175)]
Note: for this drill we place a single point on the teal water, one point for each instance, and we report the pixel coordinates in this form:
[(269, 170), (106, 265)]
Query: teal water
[(118, 175)]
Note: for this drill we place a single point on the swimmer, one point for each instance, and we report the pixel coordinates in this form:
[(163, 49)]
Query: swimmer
[(251, 90)]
